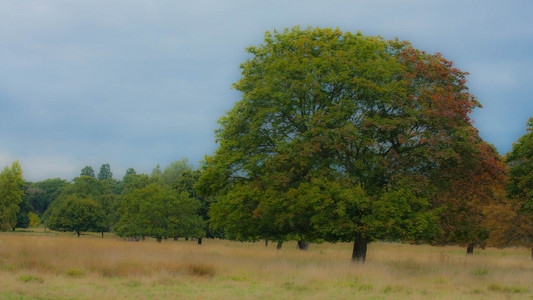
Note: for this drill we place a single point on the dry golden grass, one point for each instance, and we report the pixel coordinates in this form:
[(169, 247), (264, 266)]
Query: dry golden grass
[(58, 266)]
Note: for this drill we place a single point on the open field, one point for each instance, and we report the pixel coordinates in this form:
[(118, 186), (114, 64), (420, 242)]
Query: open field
[(49, 265)]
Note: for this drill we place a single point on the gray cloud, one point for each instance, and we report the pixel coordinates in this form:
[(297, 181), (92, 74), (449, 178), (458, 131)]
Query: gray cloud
[(136, 83)]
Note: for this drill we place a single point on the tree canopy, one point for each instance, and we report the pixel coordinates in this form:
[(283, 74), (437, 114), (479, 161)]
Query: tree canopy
[(42, 193), (339, 136), (87, 171), (77, 214), (105, 172), (158, 211)]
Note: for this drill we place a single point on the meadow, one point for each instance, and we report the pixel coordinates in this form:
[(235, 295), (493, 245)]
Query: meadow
[(37, 264)]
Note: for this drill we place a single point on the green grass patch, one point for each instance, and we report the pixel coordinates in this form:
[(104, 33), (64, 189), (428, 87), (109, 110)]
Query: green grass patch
[(480, 272), (365, 287), (30, 278), (75, 273), (507, 289), (389, 289), (132, 283), (8, 268)]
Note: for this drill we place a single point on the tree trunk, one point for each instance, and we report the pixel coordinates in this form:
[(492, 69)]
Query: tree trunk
[(278, 247), (303, 245), (199, 241), (175, 238), (359, 249), (159, 239), (102, 234), (470, 249), (266, 243), (186, 238), (78, 233)]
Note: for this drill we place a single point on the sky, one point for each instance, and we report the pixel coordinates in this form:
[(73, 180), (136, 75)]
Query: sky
[(139, 83)]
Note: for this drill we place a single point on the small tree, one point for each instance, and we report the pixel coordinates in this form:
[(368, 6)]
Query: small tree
[(11, 192), (159, 212), (76, 214), (105, 172), (87, 171), (35, 221)]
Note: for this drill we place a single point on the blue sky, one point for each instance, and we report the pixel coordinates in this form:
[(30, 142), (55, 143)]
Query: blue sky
[(140, 83)]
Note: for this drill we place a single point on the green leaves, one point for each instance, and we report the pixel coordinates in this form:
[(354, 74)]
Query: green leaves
[(520, 162), (158, 211), (11, 192), (76, 214), (337, 135), (87, 171), (105, 172)]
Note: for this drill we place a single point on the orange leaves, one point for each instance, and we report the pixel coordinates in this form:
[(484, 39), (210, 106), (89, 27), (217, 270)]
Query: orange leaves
[(256, 213)]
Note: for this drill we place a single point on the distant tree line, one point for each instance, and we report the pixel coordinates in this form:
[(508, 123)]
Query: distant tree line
[(161, 205)]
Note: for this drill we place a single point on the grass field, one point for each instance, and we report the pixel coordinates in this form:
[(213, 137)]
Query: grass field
[(48, 265)]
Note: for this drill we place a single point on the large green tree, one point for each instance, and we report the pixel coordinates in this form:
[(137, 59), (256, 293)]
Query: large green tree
[(338, 136), (11, 192)]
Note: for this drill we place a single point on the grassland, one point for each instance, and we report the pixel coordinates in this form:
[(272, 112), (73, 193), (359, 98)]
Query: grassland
[(49, 265)]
